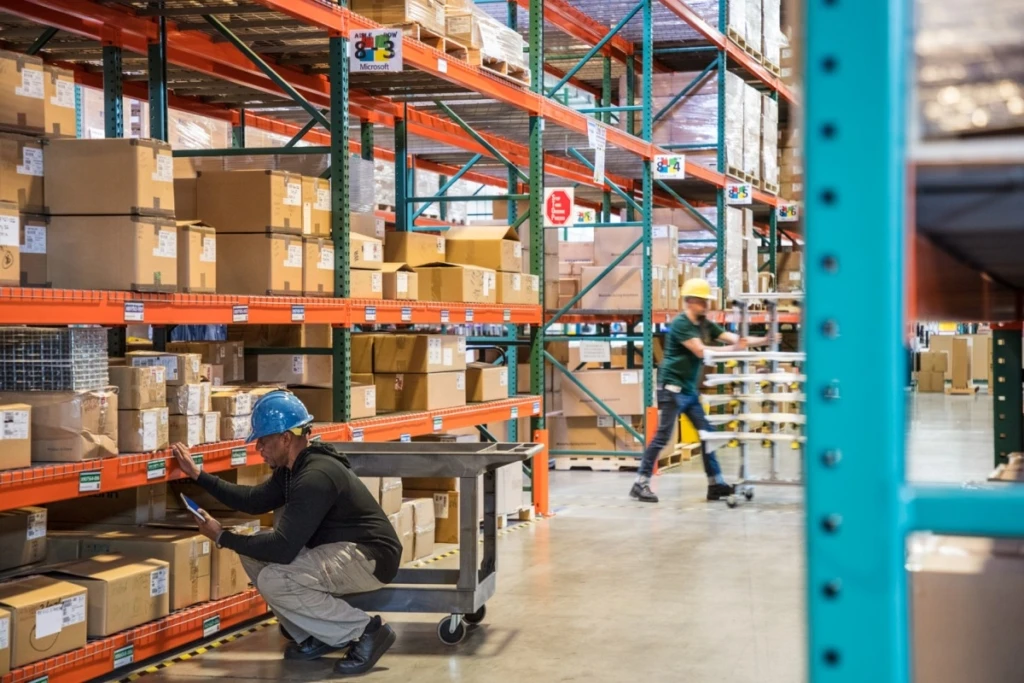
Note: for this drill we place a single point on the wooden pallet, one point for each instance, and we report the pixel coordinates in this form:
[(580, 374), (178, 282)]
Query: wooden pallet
[(687, 451), (439, 42), (609, 463), (969, 390), (774, 68), (770, 188), (744, 45), (740, 174)]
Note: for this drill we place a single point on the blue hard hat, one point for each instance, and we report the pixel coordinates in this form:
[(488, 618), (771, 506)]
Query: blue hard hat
[(277, 412)]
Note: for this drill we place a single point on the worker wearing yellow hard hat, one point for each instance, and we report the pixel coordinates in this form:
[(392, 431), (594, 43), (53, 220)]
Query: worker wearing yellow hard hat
[(678, 373)]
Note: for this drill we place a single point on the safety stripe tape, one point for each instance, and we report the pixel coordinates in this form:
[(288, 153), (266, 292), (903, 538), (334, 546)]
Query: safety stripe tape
[(455, 551), (206, 647)]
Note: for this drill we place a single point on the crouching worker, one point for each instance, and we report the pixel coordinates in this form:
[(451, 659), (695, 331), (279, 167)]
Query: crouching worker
[(330, 537)]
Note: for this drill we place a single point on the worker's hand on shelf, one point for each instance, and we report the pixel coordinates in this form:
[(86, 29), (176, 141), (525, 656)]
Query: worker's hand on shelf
[(210, 527), (184, 459)]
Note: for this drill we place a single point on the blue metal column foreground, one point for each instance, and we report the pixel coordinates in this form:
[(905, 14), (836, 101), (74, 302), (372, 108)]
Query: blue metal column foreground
[(113, 92), (339, 170), (402, 222), (856, 522), (647, 133), (157, 66)]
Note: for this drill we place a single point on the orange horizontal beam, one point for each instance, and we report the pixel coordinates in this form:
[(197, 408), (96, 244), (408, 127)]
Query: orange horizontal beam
[(96, 660), (92, 307)]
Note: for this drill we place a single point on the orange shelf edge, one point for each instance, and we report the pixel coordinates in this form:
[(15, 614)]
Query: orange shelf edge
[(149, 640), (49, 483)]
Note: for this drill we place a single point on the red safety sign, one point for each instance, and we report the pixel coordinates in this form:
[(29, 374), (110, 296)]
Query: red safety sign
[(558, 207)]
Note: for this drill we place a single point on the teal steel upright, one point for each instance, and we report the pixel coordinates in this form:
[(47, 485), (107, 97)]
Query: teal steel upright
[(156, 58), (339, 172), (647, 133), (402, 220), (113, 92), (723, 64), (536, 214), (366, 140), (238, 131)]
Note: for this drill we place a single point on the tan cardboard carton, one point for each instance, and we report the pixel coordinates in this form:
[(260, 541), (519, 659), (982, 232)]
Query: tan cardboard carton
[(32, 250), (365, 284), (142, 431), (390, 494), (185, 399), (488, 246), (230, 355), (619, 290), (139, 505), (518, 288), (486, 382), (412, 391), (186, 429), (187, 553), (59, 102), (960, 360), (423, 527), (21, 172), (302, 369), (137, 253), (457, 283), (211, 426), (366, 224), (316, 206), (48, 618), (317, 266), (594, 433), (22, 537), (258, 336), (232, 403), (179, 368), (235, 427), (446, 513), (22, 92), (610, 244), (366, 253), (272, 264), (122, 592), (620, 390), (405, 526), (399, 282), (139, 388), (362, 352), (418, 353), (5, 645), (320, 401), (185, 198), (372, 485), (15, 436), (414, 248), (69, 426), (197, 257), (109, 177), (250, 201)]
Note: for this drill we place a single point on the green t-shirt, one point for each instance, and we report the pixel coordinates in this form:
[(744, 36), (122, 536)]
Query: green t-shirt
[(680, 366)]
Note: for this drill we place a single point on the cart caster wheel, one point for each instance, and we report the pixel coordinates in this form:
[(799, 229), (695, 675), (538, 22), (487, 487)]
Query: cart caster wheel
[(447, 635), (731, 501), (749, 494), (476, 617)]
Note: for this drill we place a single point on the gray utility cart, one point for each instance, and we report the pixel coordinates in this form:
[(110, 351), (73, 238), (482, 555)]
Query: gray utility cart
[(461, 593)]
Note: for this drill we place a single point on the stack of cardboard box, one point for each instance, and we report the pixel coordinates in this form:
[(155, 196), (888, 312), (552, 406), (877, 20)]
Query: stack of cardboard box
[(584, 425), (415, 371), (15, 436), (496, 249), (931, 374), (791, 164), (64, 426)]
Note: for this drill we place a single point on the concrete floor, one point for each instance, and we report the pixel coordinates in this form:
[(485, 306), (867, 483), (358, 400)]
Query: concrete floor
[(612, 590)]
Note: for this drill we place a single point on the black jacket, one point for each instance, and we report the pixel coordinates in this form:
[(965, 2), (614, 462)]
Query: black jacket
[(323, 502)]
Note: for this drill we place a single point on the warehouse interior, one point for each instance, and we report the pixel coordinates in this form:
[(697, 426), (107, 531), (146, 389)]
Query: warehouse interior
[(467, 265)]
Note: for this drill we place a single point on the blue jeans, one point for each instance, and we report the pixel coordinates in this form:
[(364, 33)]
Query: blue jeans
[(670, 407)]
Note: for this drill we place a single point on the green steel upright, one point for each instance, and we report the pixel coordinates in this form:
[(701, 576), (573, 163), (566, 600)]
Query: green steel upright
[(366, 140), (536, 34), (339, 168), (113, 92), (647, 133), (1008, 422), (723, 65), (402, 222), (157, 67)]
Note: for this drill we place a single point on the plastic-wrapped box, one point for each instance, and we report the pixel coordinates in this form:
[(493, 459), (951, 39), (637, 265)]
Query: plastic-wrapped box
[(499, 41), (427, 184), (752, 17), (361, 186), (771, 31), (770, 143), (191, 131), (735, 134), (734, 260), (429, 14), (752, 131), (750, 245), (383, 182), (736, 18)]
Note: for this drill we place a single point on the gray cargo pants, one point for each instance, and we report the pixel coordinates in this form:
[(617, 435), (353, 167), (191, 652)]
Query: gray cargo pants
[(304, 595)]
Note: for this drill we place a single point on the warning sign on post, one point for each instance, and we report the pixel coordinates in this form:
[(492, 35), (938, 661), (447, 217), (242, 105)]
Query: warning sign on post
[(558, 207), (378, 50)]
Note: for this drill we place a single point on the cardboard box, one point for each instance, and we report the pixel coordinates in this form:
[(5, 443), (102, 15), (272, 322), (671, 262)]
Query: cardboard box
[(446, 513), (365, 284), (69, 426), (320, 401), (316, 206), (611, 243), (457, 283), (139, 505), (619, 290), (22, 92), (404, 525), (234, 427), (517, 288), (423, 526), (414, 248), (185, 399), (15, 436), (259, 336), (318, 266), (211, 426), (138, 253), (59, 117), (366, 253), (620, 390), (227, 575), (594, 433), (197, 257), (960, 361), (486, 382), (122, 592), (32, 251), (187, 553), (5, 645), (400, 282), (186, 429), (929, 382), (390, 494), (143, 431), (414, 391), (250, 201), (230, 355), (272, 264), (179, 368), (232, 403), (109, 177), (307, 370), (22, 537), (934, 361), (48, 618), (185, 199), (21, 172), (139, 388), (372, 485), (419, 353), (362, 352), (493, 247), (366, 224)]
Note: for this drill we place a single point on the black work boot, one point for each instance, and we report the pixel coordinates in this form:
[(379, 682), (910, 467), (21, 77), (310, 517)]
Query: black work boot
[(371, 646), (309, 649), (284, 632), (720, 491), (642, 491)]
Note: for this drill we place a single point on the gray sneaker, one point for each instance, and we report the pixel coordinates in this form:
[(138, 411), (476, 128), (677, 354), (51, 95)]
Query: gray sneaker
[(643, 493)]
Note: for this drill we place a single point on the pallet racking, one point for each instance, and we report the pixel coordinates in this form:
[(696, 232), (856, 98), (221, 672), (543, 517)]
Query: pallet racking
[(281, 66)]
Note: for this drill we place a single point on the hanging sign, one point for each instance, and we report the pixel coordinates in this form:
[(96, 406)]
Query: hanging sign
[(558, 207), (739, 193), (669, 166), (787, 213), (599, 165), (597, 135), (378, 50)]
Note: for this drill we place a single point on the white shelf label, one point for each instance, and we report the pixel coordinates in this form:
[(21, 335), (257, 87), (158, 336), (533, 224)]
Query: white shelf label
[(357, 435), (370, 314), (469, 315), (158, 582), (595, 352), (239, 314), (134, 312), (298, 314), (211, 626), (506, 315), (124, 656), (156, 469), (444, 316), (198, 460), (442, 66), (88, 482), (536, 407), (238, 457), (405, 438), (406, 314), (438, 424), (787, 213), (514, 413)]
